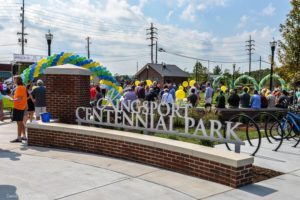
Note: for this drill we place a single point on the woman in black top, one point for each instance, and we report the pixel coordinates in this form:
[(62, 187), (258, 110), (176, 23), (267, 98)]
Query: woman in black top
[(30, 106)]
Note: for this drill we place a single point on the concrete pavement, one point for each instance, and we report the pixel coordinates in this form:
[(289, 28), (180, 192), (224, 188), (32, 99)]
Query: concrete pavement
[(42, 173)]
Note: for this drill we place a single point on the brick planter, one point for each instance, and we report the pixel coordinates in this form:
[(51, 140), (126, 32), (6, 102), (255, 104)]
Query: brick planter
[(216, 165)]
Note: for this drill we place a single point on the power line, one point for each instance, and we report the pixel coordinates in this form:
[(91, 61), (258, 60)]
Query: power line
[(201, 59), (83, 30), (79, 19)]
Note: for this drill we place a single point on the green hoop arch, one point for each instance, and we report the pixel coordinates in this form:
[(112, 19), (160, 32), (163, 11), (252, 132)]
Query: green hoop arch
[(218, 79), (282, 82), (249, 78)]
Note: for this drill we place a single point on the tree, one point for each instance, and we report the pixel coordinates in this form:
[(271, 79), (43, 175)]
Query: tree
[(289, 47), (199, 72), (217, 70)]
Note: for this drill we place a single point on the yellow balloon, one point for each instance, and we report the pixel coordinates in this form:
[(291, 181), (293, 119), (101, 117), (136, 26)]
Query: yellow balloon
[(149, 82), (137, 83), (224, 88), (247, 88), (120, 89), (267, 92), (185, 84), (192, 83), (180, 94), (101, 82), (180, 88), (91, 78)]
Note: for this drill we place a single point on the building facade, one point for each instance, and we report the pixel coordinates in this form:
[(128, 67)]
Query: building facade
[(162, 73), (5, 71)]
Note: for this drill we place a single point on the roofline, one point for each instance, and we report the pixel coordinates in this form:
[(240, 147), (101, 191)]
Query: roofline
[(141, 70)]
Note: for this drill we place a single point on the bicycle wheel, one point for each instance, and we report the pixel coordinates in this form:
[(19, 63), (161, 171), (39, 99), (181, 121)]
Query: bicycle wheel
[(248, 131)]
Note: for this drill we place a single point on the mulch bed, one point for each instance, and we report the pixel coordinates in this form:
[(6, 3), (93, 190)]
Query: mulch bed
[(261, 174)]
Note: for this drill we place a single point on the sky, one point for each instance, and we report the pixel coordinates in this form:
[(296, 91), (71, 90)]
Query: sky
[(214, 30)]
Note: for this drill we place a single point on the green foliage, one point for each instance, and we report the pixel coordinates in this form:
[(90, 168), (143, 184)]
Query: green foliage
[(178, 121), (210, 116), (289, 54), (217, 70), (199, 72)]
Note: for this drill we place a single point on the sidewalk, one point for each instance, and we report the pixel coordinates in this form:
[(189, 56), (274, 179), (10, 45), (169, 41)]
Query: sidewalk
[(42, 173)]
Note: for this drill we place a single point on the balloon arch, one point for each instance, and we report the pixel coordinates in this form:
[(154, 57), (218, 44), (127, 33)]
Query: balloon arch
[(256, 86), (217, 80), (282, 82), (254, 82), (96, 68)]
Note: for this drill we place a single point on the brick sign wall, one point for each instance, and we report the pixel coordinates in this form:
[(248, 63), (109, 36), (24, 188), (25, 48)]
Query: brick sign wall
[(167, 159)]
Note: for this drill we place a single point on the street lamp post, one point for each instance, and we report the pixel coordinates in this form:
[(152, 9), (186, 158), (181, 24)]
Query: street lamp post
[(233, 71), (147, 72), (49, 37), (273, 46)]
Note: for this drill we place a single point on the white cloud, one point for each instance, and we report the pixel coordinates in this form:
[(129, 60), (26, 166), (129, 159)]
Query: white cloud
[(180, 2), (117, 31), (269, 10), (170, 14), (189, 13), (204, 4), (243, 21)]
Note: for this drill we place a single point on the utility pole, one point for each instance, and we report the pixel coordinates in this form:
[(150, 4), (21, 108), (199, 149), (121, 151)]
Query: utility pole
[(88, 46), (260, 68), (250, 48), (156, 52), (152, 31), (208, 75), (233, 71), (22, 40)]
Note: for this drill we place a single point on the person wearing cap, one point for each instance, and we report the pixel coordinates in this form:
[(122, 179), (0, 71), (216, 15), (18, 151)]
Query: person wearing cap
[(38, 96), (167, 98)]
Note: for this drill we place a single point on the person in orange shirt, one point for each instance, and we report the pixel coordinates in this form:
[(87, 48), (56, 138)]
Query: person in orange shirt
[(20, 105)]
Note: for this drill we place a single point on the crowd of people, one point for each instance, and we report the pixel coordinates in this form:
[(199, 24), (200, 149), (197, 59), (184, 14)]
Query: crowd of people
[(28, 101), (262, 99), (223, 99)]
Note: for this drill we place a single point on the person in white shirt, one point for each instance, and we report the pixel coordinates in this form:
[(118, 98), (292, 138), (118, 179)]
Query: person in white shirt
[(167, 98)]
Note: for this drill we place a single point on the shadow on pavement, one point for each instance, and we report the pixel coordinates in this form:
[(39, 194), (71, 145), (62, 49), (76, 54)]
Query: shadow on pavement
[(8, 192), (9, 154), (258, 190)]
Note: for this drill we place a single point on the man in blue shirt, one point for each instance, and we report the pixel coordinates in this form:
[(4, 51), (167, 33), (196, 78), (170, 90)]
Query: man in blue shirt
[(209, 93), (256, 100)]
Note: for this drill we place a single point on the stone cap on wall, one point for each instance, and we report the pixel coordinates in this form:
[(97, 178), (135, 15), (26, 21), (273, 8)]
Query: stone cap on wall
[(208, 153), (68, 69)]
